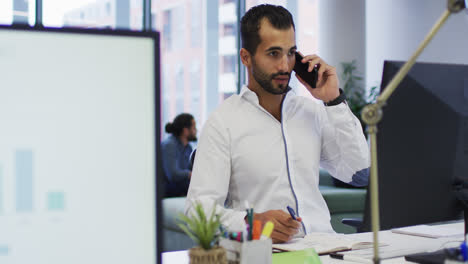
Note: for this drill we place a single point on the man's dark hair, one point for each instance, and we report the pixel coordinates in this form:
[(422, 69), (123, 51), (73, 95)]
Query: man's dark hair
[(180, 122), (278, 16)]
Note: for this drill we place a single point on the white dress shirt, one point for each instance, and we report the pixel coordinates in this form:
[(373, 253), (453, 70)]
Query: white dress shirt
[(246, 154)]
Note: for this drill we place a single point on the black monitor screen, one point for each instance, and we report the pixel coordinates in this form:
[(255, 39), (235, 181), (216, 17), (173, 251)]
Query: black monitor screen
[(422, 145)]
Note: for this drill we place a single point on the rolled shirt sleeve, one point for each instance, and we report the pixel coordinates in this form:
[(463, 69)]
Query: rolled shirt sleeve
[(345, 152)]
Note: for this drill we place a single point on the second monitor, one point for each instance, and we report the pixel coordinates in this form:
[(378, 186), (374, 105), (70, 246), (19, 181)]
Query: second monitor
[(422, 146)]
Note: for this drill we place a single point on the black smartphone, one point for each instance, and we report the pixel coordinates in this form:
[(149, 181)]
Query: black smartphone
[(301, 70)]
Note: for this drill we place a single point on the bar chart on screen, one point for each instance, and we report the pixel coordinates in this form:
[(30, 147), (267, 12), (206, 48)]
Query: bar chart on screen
[(30, 198), (20, 175)]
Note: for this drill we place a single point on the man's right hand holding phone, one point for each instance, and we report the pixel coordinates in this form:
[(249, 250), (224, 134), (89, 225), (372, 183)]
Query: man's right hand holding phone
[(327, 79)]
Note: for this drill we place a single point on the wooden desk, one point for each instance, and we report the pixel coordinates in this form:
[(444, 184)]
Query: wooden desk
[(404, 244)]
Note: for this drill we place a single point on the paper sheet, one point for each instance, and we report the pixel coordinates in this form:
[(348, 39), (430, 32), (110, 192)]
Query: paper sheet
[(429, 231), (323, 243)]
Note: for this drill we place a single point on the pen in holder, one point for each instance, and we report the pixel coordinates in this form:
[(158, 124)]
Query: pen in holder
[(251, 247), (247, 252)]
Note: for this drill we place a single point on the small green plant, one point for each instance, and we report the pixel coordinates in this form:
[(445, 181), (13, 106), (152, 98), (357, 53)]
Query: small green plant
[(202, 230)]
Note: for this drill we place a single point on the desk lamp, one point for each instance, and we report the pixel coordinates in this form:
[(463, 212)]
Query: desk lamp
[(372, 114)]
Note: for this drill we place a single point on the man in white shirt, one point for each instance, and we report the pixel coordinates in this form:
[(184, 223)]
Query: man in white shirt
[(265, 145)]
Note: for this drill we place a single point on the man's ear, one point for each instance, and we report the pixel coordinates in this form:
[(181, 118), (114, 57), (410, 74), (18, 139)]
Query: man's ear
[(245, 57)]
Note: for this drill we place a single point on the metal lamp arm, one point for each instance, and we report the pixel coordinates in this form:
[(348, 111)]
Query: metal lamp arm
[(372, 114)]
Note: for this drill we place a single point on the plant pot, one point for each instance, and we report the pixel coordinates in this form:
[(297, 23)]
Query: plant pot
[(216, 255)]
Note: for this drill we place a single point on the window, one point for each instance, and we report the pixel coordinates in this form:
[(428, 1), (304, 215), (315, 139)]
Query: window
[(154, 18), (192, 37), (167, 30), (195, 82), (198, 40), (173, 28), (166, 97), (229, 30), (179, 27), (229, 63), (115, 14), (179, 85), (108, 9), (20, 11), (17, 11), (196, 23), (6, 12)]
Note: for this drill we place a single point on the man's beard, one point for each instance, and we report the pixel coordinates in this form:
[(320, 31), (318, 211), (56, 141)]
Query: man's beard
[(266, 81)]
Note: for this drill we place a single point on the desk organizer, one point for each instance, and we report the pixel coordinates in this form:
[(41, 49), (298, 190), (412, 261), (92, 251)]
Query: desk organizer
[(249, 252)]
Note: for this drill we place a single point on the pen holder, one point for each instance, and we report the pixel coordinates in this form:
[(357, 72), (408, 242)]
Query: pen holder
[(249, 252)]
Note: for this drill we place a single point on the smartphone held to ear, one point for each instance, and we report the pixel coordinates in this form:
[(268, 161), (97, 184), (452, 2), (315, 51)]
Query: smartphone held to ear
[(301, 70)]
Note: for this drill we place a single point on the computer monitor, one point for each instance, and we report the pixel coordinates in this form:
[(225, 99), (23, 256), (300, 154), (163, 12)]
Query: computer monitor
[(79, 141), (422, 146)]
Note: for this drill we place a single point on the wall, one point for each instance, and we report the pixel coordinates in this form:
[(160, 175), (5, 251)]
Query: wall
[(395, 28), (342, 32)]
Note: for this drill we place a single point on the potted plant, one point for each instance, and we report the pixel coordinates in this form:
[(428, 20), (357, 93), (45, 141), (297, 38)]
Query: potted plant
[(355, 92), (356, 99), (204, 232)]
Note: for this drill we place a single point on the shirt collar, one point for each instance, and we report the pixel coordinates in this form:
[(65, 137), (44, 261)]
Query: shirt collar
[(245, 90), (252, 96)]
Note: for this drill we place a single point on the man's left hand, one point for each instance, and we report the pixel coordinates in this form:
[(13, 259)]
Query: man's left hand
[(327, 82)]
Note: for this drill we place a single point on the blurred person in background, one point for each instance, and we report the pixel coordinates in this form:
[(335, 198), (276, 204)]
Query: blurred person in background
[(176, 152)]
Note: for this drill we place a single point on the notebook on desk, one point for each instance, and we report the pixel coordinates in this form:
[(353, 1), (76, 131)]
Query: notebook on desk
[(324, 243)]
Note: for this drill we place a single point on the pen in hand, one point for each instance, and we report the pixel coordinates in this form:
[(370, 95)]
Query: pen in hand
[(285, 228), (293, 214)]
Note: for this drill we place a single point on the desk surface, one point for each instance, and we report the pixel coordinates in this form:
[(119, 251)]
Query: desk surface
[(396, 242)]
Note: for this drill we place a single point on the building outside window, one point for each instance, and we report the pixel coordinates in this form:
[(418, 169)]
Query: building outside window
[(179, 26), (179, 92), (229, 63), (193, 37), (165, 96), (114, 14), (195, 88), (167, 30), (229, 29), (196, 23)]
